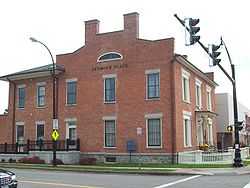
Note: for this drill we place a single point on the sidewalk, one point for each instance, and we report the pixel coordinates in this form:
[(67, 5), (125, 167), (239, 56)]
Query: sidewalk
[(133, 170), (214, 171)]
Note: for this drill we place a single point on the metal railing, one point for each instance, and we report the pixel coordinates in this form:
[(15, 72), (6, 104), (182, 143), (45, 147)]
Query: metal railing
[(40, 145), (206, 157)]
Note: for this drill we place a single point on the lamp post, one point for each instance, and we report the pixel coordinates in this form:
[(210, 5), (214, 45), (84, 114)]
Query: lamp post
[(54, 116)]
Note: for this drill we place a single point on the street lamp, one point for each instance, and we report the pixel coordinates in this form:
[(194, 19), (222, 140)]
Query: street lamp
[(54, 117)]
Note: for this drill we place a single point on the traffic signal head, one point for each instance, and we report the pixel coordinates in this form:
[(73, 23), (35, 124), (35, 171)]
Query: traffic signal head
[(240, 125), (229, 128), (212, 49), (191, 30)]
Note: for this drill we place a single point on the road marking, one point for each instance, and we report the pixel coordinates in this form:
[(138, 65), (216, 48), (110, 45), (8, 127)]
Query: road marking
[(57, 184), (176, 182), (247, 186)]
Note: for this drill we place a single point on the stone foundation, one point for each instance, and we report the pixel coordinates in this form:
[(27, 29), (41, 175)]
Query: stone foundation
[(134, 158)]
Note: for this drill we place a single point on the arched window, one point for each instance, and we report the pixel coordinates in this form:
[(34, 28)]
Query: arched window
[(109, 56)]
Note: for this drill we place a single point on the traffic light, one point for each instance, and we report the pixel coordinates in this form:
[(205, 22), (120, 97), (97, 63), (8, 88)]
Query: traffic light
[(240, 125), (229, 128), (191, 30), (212, 50)]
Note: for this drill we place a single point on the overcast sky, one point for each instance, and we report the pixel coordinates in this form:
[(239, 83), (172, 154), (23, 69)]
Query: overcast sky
[(60, 24)]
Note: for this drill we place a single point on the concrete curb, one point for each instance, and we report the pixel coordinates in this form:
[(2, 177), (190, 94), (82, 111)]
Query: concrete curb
[(175, 172)]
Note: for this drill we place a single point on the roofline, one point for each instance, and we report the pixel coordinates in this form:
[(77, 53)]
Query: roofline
[(196, 69), (8, 76)]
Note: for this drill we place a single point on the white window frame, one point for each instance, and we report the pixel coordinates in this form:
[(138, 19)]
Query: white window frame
[(153, 116), (185, 75), (109, 118), (40, 84), (68, 81), (106, 60), (67, 121), (209, 98), (20, 86), (106, 76), (198, 84), (20, 123), (153, 71), (187, 116), (40, 123)]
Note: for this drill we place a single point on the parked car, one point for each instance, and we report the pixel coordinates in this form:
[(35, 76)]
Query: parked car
[(7, 179)]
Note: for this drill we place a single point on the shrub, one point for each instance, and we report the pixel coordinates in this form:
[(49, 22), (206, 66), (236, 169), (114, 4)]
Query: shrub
[(3, 160), (31, 160), (12, 160), (87, 161), (58, 162)]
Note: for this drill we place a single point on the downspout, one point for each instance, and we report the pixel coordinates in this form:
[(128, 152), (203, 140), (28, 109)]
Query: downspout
[(173, 122), (14, 109)]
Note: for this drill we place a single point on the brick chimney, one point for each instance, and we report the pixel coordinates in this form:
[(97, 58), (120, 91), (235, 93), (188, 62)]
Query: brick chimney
[(91, 29), (131, 24), (210, 75)]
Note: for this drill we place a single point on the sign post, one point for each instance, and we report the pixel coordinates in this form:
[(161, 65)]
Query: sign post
[(55, 135)]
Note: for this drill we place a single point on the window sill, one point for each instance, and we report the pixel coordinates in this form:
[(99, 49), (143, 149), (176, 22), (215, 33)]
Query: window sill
[(41, 107), (153, 99), (154, 147), (110, 147), (187, 102), (70, 105), (111, 102), (186, 147), (19, 108)]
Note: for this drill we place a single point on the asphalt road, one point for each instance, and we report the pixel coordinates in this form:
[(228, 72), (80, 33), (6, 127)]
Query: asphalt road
[(49, 179)]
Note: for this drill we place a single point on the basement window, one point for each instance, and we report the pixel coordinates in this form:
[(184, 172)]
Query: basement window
[(110, 56)]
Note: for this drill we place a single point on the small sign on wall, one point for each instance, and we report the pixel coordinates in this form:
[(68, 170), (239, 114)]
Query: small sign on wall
[(139, 131), (55, 124)]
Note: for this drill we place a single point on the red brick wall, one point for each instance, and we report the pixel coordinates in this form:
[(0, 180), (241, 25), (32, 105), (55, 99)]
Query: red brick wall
[(131, 106), (179, 105), (4, 128)]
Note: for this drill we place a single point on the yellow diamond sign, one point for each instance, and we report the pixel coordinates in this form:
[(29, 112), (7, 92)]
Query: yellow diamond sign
[(55, 135)]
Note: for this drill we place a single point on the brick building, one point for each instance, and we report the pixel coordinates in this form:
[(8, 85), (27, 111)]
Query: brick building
[(116, 88)]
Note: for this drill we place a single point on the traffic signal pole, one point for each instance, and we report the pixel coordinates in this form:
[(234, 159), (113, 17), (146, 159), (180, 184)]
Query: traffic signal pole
[(237, 157)]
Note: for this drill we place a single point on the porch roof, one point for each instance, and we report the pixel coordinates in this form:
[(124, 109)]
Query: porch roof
[(207, 113), (36, 72)]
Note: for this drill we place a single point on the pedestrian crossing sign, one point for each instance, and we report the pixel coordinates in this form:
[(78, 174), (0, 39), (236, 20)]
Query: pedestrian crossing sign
[(55, 135)]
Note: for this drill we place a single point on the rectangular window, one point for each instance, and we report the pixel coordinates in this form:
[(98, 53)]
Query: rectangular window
[(40, 96), (109, 89), (39, 131), (153, 85), (21, 97), (71, 134), (185, 89), (20, 133), (154, 132), (198, 94), (187, 131), (110, 133), (209, 101), (71, 92)]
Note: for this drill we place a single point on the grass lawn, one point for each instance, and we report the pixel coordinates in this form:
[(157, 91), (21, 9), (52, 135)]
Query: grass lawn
[(120, 166)]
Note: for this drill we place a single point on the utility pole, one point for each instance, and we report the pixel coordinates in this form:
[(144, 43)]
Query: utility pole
[(213, 54)]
